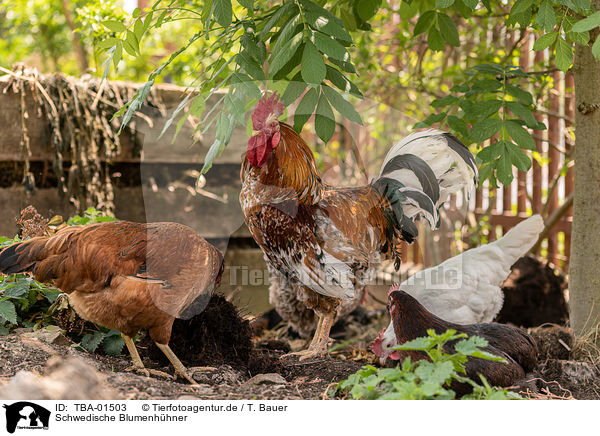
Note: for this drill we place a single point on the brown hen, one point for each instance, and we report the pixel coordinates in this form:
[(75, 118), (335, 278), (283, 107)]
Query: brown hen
[(125, 276)]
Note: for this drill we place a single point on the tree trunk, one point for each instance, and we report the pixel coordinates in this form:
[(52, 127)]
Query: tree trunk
[(77, 46), (584, 273)]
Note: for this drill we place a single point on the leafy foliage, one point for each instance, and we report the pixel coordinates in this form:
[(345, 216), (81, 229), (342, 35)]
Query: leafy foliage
[(426, 379), (492, 103)]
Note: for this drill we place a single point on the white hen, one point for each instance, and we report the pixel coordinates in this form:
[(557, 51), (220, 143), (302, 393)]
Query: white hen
[(466, 289)]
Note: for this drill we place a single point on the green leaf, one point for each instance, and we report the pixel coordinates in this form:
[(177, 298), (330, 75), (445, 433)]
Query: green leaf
[(132, 40), (587, 23), (458, 125), (305, 109), (294, 89), (324, 120), (250, 66), (341, 82), (283, 11), (248, 4), (117, 54), (545, 41), (366, 9), (8, 312), (523, 113), (472, 4), (521, 6), (341, 105), (424, 22), (108, 43), (491, 152), (328, 25), (291, 28), (504, 169), (564, 55), (222, 11), (596, 48), (435, 39), (138, 29), (115, 26), (313, 67), (448, 30), (485, 129), (520, 94), (91, 341), (519, 134), (578, 37), (113, 344), (279, 59), (136, 12), (253, 49), (518, 157), (484, 109), (441, 4), (545, 16), (245, 84), (331, 47)]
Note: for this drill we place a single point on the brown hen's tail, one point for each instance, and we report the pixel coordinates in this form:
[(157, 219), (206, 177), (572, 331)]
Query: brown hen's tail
[(14, 259)]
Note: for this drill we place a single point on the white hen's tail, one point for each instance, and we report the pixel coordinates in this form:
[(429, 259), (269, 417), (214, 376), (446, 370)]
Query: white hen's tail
[(520, 238), (420, 173)]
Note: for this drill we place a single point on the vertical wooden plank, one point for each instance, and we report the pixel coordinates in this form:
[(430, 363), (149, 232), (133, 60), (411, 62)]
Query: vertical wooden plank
[(521, 175), (536, 192), (553, 159)]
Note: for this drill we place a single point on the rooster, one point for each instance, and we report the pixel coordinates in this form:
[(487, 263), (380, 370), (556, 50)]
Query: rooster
[(410, 320), (126, 276), (321, 243), (466, 289)]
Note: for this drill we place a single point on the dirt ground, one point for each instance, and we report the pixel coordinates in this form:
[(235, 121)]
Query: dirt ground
[(266, 376), (233, 358)]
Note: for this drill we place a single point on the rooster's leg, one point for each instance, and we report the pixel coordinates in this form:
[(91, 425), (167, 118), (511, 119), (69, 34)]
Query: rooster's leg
[(138, 365), (318, 345), (180, 369)]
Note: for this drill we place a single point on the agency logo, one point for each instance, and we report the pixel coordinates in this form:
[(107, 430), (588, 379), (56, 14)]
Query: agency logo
[(27, 416)]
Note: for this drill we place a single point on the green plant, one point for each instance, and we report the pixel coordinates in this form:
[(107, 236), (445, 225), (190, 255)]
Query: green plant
[(90, 216), (426, 379)]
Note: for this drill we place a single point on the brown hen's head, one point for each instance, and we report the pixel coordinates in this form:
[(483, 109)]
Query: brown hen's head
[(265, 135)]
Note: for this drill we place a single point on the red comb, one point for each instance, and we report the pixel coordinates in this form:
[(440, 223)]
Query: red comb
[(266, 106), (394, 287)]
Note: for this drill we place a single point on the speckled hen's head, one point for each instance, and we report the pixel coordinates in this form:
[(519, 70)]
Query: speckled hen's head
[(386, 339), (265, 135)]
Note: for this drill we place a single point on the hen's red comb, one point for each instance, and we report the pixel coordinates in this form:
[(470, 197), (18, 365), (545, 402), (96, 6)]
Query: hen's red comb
[(394, 287), (266, 106)]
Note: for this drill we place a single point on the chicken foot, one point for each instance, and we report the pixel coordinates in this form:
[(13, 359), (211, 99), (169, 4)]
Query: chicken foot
[(138, 365), (318, 345), (180, 369)]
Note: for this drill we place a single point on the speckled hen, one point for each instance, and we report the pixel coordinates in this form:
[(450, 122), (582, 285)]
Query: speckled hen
[(322, 243)]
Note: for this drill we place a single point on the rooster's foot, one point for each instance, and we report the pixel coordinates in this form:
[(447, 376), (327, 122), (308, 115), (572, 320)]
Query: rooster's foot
[(306, 354)]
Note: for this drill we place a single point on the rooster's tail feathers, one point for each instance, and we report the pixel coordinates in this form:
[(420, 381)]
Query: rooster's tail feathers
[(421, 172), (522, 237)]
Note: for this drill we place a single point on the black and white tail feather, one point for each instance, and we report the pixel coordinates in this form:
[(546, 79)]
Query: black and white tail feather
[(419, 174)]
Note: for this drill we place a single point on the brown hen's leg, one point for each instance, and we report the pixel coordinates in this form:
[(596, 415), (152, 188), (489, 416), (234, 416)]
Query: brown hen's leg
[(180, 369), (138, 365)]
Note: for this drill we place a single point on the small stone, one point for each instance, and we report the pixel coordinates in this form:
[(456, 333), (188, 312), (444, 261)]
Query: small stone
[(49, 335), (266, 379)]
